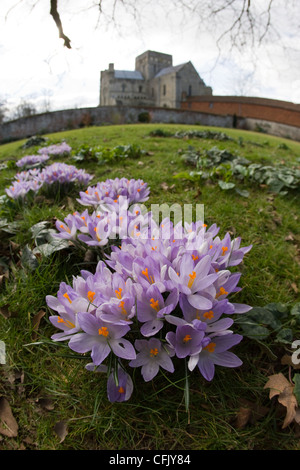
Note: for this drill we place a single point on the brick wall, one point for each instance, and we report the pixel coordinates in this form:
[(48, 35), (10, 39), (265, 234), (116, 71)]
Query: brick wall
[(242, 107)]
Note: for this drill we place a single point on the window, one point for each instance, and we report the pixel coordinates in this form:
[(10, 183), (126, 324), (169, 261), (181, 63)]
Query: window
[(190, 90), (123, 87), (164, 89), (140, 89)]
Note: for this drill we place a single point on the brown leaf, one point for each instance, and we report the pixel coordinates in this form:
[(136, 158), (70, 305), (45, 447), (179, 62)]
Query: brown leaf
[(46, 403), (243, 417), (249, 412), (294, 287), (281, 387), (36, 323), (8, 425), (61, 430), (287, 361)]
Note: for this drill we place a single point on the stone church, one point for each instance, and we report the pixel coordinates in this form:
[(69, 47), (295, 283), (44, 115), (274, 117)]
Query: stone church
[(154, 82)]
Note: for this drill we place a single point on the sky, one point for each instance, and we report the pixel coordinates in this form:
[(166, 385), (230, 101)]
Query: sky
[(37, 68)]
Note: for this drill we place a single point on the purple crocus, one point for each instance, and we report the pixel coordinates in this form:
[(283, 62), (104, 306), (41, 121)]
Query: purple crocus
[(216, 353), (193, 279), (29, 160), (151, 356), (152, 308), (101, 338), (188, 339), (122, 390)]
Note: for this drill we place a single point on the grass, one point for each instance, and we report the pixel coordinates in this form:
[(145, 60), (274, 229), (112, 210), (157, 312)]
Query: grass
[(155, 417)]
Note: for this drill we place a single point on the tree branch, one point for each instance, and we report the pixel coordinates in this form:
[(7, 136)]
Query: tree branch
[(54, 13)]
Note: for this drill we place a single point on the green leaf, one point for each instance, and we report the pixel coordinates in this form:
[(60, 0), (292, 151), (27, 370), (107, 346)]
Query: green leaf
[(285, 336), (242, 192), (224, 185), (28, 260), (296, 380)]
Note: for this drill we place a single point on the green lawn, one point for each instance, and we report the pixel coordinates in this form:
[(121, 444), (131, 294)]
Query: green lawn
[(47, 385)]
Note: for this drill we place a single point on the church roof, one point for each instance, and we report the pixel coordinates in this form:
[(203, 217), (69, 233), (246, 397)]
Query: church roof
[(167, 70), (128, 74)]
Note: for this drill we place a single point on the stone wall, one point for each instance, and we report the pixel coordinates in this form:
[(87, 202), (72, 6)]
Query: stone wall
[(47, 123), (56, 121)]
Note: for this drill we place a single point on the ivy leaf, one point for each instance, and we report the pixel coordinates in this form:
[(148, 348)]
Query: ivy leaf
[(226, 185), (28, 260), (296, 380)]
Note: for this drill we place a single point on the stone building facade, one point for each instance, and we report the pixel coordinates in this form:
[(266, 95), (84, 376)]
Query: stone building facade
[(154, 82)]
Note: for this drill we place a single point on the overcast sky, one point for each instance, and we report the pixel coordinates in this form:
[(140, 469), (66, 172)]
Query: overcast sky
[(36, 67)]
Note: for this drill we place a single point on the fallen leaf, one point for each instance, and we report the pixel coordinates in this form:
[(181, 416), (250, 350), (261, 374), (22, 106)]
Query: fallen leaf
[(294, 287), (281, 387), (249, 412), (46, 403), (243, 417), (36, 323), (8, 425), (61, 430)]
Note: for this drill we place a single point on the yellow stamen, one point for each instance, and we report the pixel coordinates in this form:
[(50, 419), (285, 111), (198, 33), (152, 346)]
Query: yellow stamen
[(91, 295), (150, 278), (67, 297), (210, 347), (192, 279), (224, 249), (121, 390), (195, 257), (119, 292), (209, 315), (66, 322), (121, 305), (187, 338), (154, 304), (65, 228), (103, 331), (221, 292), (153, 352)]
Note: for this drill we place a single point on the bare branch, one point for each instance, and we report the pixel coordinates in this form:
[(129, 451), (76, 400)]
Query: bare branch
[(54, 13)]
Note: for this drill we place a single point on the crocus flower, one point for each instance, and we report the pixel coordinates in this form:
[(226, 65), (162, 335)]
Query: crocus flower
[(101, 338), (151, 356), (216, 353), (188, 339), (117, 390), (152, 308), (56, 149), (29, 160)]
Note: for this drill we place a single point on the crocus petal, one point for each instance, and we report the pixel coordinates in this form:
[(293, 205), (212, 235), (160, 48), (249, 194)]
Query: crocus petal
[(199, 302)]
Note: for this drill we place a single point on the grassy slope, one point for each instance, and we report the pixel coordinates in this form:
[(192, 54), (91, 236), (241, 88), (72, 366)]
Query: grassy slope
[(155, 417)]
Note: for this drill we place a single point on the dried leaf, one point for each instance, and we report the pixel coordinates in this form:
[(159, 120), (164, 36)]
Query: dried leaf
[(36, 323), (46, 403), (243, 417), (8, 425), (281, 387), (61, 430)]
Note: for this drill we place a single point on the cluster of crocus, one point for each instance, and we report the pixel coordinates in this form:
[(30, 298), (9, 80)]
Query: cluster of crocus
[(32, 160), (108, 192), (117, 213), (159, 298), (34, 179), (56, 149), (63, 173)]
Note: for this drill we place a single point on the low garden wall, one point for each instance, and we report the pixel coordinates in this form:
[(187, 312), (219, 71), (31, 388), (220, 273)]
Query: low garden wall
[(76, 118)]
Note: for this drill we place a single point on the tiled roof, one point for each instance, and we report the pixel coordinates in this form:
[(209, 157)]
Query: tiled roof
[(128, 74), (174, 68)]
